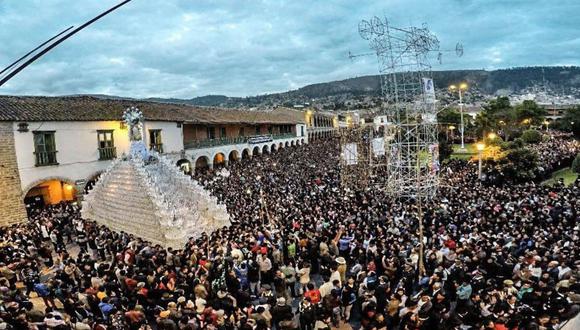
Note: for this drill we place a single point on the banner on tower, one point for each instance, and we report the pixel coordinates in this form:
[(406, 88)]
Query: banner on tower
[(350, 153), (378, 146), (429, 90)]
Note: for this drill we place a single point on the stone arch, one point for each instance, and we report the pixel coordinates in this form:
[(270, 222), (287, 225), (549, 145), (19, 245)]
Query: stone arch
[(202, 162), (219, 159), (281, 145), (234, 156), (246, 153), (301, 141), (256, 151), (292, 143), (287, 144), (184, 165), (274, 147), (266, 149), (49, 190)]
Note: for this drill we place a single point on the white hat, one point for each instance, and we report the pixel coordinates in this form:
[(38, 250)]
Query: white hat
[(281, 301)]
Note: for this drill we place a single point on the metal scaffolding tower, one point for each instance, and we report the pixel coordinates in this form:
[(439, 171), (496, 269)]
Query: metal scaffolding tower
[(410, 135)]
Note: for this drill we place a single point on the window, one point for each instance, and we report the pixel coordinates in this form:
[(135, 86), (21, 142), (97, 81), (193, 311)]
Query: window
[(155, 140), (107, 148), (45, 148), (241, 132), (270, 129), (301, 130), (211, 133), (223, 133), (257, 130)]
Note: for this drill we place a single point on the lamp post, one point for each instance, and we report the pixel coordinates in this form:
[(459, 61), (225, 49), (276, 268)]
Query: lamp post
[(480, 147), (462, 87), (451, 128)]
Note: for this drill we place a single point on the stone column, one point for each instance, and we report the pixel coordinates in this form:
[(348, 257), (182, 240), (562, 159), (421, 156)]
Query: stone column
[(11, 200)]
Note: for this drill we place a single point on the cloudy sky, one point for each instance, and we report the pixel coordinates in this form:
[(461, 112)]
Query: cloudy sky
[(188, 48)]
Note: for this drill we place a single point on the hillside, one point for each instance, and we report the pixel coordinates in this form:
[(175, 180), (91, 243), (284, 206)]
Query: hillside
[(364, 92)]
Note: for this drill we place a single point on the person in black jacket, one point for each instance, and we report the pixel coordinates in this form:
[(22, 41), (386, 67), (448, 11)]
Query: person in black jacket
[(281, 312), (307, 314)]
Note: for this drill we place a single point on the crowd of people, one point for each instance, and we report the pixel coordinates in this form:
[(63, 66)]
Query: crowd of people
[(304, 253)]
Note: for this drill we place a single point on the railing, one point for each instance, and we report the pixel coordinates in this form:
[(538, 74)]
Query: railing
[(233, 140), (107, 153), (45, 158), (156, 147)]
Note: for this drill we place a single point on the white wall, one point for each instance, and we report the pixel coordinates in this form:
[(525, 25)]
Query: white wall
[(77, 146), (171, 135)]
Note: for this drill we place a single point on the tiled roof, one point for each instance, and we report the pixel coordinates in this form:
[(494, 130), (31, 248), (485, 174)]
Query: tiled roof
[(88, 108)]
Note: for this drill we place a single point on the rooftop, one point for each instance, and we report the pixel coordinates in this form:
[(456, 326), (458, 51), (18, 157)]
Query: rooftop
[(90, 108)]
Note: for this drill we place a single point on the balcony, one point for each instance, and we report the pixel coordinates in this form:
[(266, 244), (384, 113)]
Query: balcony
[(107, 153), (46, 158), (232, 140)]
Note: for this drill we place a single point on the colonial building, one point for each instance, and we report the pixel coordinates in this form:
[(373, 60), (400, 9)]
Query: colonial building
[(53, 148), (320, 124)]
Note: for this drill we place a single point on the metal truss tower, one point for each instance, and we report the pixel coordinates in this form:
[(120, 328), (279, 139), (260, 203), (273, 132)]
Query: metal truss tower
[(410, 136)]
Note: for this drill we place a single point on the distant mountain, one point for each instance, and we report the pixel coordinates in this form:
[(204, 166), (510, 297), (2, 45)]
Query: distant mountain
[(360, 91)]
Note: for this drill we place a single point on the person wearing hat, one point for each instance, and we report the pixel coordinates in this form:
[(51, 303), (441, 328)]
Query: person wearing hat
[(341, 268)]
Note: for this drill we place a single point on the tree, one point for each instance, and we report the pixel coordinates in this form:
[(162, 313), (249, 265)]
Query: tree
[(532, 136), (448, 117), (445, 148), (497, 116), (516, 165), (576, 164), (530, 113), (570, 122)]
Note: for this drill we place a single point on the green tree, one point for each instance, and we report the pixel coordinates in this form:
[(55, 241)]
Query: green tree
[(570, 122), (497, 115), (448, 117), (576, 164), (530, 112), (445, 148), (532, 136), (518, 165)]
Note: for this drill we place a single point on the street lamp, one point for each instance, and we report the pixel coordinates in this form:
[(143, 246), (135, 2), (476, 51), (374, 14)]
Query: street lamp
[(491, 136), (480, 147), (547, 123), (462, 87), (450, 128)]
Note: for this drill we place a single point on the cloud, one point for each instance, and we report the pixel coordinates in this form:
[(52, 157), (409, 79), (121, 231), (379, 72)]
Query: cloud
[(187, 48)]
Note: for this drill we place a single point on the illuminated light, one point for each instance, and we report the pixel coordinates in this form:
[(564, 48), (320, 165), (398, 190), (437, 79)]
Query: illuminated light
[(463, 86), (68, 187), (480, 146), (491, 136), (451, 127), (452, 87)]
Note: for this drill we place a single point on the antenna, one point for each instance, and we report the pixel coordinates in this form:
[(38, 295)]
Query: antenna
[(51, 46)]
